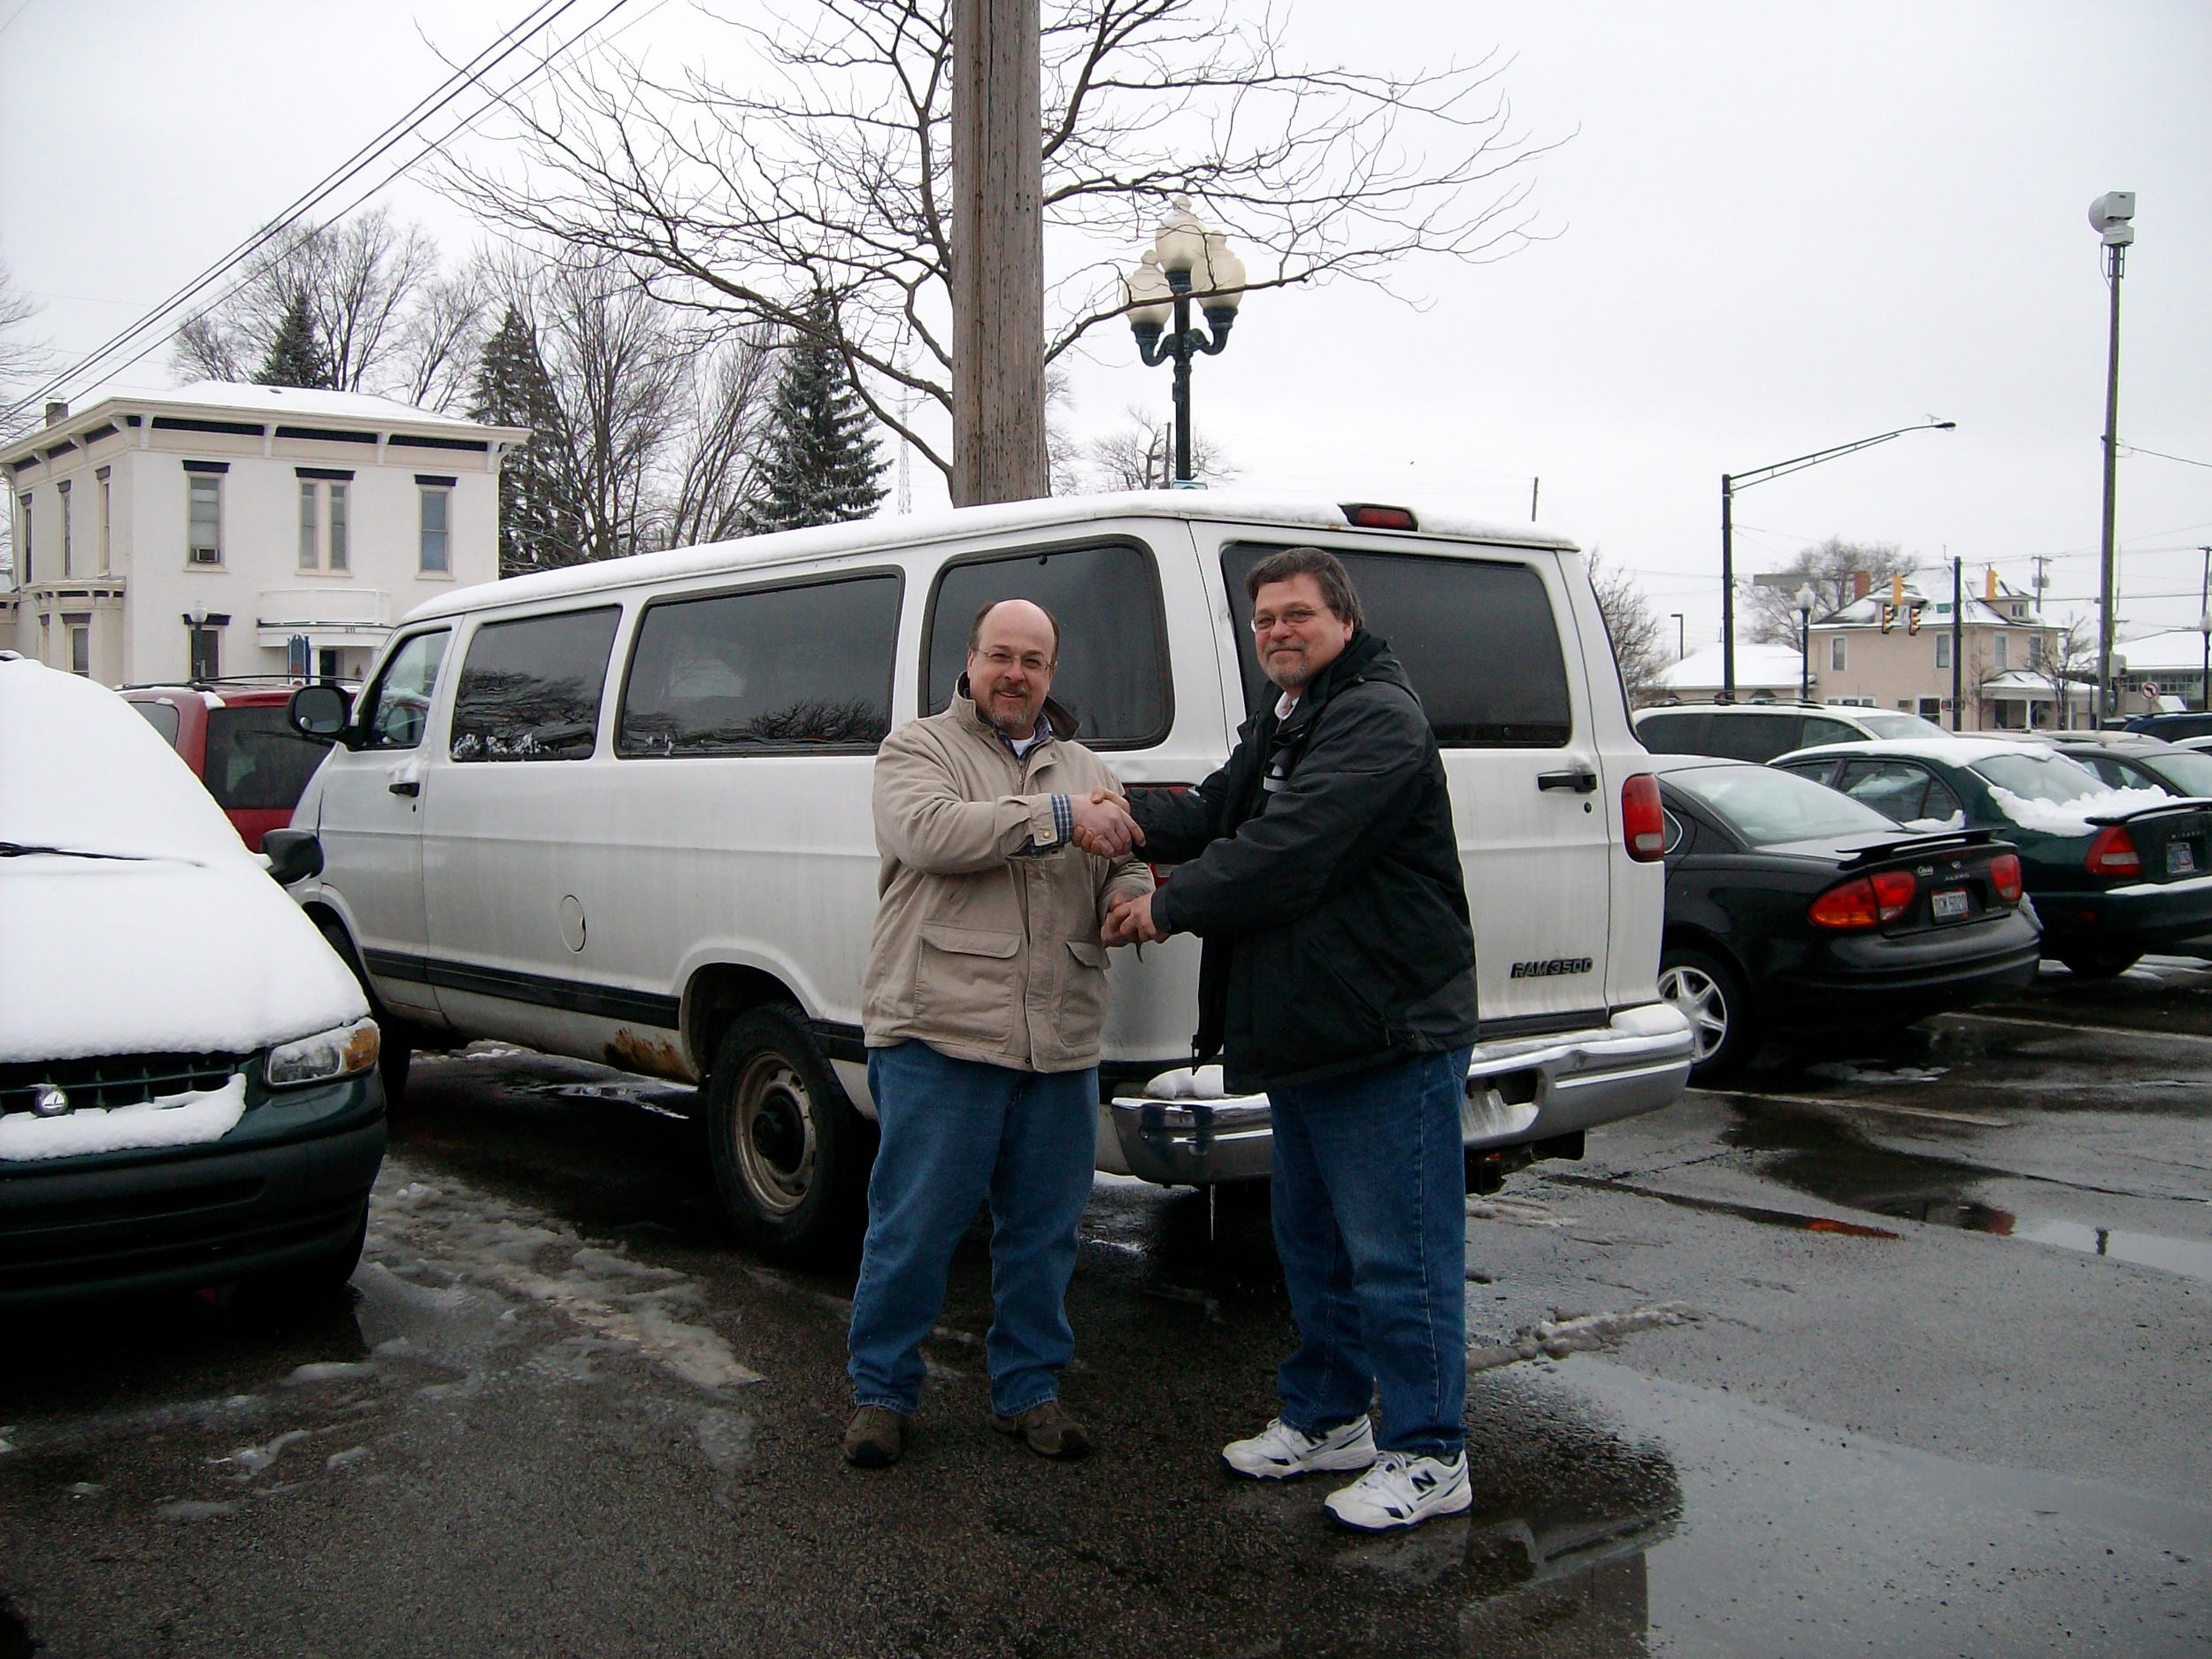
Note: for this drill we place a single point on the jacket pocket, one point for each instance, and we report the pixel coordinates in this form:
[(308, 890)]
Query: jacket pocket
[(963, 984), (1081, 1010)]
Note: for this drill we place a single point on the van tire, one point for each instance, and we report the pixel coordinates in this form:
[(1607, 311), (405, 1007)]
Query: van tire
[(790, 1155), (1708, 990), (2100, 961)]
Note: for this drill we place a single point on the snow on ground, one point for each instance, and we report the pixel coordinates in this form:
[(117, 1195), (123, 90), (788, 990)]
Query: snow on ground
[(2071, 818)]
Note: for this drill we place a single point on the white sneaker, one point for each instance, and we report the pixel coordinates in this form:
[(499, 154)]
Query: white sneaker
[(1279, 1452), (1402, 1489)]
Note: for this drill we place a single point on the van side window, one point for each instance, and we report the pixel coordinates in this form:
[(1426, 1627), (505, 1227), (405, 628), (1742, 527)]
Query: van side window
[(399, 705), (1113, 675), (1476, 638), (773, 669), (530, 689)]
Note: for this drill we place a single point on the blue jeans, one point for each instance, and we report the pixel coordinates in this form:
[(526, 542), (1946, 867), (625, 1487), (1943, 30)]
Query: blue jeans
[(955, 1132), (1371, 1224)]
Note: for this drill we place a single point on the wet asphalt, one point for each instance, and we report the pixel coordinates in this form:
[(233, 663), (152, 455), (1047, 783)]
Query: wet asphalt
[(1900, 1347)]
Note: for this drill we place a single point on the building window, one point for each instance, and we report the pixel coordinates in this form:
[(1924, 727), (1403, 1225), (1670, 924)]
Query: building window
[(309, 559), (338, 526), (80, 652), (2035, 650), (1835, 653), (1998, 650), (107, 517), (436, 518), (23, 538), (68, 545), (207, 654), (204, 535), (1943, 650), (1932, 708)]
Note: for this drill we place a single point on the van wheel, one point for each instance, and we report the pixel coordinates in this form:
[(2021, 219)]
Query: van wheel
[(790, 1155), (1712, 998), (395, 1045), (2105, 963)]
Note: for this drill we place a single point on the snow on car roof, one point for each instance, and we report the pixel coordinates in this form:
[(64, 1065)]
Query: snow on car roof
[(1957, 751), (835, 541)]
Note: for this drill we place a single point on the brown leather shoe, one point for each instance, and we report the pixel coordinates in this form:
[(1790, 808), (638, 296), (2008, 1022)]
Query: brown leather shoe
[(874, 1438), (1048, 1431)]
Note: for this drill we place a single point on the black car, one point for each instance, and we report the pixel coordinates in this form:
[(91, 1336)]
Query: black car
[(2112, 872), (2171, 728), (1793, 909), (2142, 762)]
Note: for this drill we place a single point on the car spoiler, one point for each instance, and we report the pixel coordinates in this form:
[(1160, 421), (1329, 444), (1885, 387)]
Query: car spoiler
[(2185, 803), (1942, 841)]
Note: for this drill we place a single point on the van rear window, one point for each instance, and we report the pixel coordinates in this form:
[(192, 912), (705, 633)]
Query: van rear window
[(530, 688), (256, 761), (769, 670), (1476, 636), (1113, 673)]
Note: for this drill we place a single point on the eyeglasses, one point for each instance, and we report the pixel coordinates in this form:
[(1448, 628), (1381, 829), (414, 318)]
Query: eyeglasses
[(1033, 662), (1298, 617)]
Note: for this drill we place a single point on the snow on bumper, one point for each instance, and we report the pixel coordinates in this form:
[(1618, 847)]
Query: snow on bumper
[(1520, 1089)]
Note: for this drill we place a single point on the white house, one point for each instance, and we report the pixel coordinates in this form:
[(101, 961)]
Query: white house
[(221, 530)]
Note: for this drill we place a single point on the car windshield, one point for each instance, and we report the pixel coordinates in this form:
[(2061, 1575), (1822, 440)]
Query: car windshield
[(2051, 778), (2187, 769), (1766, 807), (1896, 725)]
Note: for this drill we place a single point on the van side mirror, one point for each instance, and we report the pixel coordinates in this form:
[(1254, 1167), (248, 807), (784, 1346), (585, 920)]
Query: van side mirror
[(319, 712), (294, 854)]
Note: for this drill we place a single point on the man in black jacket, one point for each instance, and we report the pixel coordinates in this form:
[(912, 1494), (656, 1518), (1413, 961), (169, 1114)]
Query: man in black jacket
[(1321, 870)]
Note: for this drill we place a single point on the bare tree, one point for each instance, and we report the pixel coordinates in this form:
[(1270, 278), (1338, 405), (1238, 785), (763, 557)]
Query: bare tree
[(436, 354), (1638, 646), (1139, 454), (1829, 567), (23, 358), (712, 460), (2065, 659), (833, 179)]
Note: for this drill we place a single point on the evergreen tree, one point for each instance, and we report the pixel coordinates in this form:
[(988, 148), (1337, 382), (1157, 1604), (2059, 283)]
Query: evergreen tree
[(818, 464), (536, 529), (295, 356)]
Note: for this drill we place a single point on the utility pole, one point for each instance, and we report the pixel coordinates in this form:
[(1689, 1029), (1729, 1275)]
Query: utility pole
[(2042, 580), (1534, 485), (998, 370), (1728, 585), (1958, 644)]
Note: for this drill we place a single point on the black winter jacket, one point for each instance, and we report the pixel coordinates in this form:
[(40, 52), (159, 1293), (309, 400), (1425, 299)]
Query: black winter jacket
[(1320, 869)]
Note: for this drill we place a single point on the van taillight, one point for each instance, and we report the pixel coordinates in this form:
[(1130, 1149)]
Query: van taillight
[(1867, 902), (2113, 853), (1371, 516), (1643, 824), (2004, 875)]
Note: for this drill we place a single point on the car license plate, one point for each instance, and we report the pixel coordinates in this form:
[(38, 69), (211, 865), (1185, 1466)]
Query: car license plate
[(1950, 905), (2181, 859)]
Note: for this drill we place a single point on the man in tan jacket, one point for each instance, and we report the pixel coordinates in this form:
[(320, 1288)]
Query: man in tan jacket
[(1003, 844)]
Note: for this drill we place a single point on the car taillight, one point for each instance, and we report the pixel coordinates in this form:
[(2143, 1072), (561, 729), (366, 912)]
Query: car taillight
[(1643, 823), (2004, 875), (1867, 902), (2113, 853)]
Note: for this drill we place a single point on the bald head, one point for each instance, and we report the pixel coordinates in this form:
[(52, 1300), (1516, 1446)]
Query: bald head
[(1013, 651)]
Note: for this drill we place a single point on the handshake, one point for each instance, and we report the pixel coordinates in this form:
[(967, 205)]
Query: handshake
[(1103, 825)]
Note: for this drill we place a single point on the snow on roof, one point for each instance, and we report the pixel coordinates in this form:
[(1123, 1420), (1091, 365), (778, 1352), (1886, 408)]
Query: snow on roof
[(1758, 668), (226, 399), (894, 531), (2174, 651), (1960, 751)]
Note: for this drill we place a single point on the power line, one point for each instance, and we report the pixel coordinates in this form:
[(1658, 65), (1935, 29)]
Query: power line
[(534, 22)]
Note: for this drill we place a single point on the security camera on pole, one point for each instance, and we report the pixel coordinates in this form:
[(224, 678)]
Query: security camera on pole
[(2111, 215)]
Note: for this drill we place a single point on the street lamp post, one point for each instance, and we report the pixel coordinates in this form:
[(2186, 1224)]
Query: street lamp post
[(1730, 482), (1681, 636), (1806, 600), (1186, 261), (2110, 216)]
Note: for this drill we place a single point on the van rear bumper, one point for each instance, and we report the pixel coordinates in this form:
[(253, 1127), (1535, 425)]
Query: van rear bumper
[(1520, 1090)]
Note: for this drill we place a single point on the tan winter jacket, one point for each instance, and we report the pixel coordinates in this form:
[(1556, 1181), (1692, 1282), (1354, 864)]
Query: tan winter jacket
[(985, 944)]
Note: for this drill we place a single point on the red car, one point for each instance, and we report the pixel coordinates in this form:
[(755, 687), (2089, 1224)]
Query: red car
[(236, 737)]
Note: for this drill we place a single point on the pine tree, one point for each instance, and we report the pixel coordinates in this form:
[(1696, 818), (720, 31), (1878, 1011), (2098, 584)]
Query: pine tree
[(295, 356), (536, 531), (818, 464)]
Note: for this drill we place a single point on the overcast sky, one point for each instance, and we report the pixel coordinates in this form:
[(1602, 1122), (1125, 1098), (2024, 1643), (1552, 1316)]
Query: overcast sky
[(1775, 229)]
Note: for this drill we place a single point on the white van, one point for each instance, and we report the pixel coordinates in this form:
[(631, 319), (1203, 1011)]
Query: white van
[(621, 811)]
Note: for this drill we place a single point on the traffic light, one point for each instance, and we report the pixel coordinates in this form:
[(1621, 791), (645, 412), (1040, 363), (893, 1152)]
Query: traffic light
[(1912, 620), (1889, 617)]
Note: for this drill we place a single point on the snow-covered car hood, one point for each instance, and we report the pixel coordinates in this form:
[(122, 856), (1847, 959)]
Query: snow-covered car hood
[(174, 941)]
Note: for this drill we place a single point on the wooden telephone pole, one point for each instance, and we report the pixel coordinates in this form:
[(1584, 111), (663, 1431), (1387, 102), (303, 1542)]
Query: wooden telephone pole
[(998, 370)]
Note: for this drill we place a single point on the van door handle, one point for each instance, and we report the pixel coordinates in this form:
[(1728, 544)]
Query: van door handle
[(1582, 780), (413, 786)]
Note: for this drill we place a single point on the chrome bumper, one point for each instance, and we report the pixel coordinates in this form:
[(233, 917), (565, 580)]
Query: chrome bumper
[(1519, 1090)]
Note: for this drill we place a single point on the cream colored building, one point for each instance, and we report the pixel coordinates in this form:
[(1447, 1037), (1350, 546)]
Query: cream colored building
[(1890, 648), (217, 530)]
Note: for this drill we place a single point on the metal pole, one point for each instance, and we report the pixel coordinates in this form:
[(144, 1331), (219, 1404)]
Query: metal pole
[(1182, 388), (1534, 485), (1681, 636), (2115, 259), (1728, 584), (2204, 685), (1804, 656), (1958, 644)]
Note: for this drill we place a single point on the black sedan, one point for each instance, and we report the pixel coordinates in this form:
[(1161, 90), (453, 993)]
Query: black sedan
[(2128, 762), (1793, 909), (2113, 872)]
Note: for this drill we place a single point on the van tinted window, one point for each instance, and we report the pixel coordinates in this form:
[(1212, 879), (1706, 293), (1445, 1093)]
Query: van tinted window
[(255, 761), (530, 689), (1673, 733), (1113, 673), (1477, 639), (771, 669), (398, 707)]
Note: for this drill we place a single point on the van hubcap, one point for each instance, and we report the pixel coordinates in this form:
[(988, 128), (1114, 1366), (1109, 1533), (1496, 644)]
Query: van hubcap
[(1698, 996), (774, 1135)]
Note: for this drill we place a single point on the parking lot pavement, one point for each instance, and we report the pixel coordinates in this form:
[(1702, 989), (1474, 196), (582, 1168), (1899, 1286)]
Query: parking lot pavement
[(1896, 1348)]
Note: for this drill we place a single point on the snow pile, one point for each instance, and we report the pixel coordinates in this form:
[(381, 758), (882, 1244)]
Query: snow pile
[(1184, 1083), (177, 1120), (1936, 825), (2071, 818)]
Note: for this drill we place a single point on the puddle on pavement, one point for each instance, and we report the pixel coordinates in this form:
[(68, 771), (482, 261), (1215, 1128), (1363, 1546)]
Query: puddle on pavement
[(1817, 1156)]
